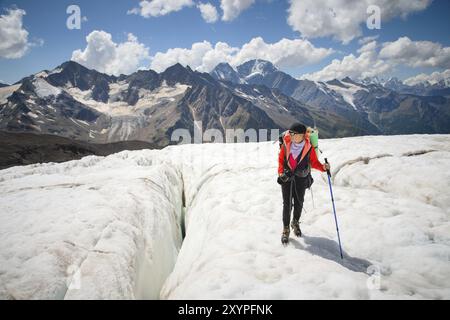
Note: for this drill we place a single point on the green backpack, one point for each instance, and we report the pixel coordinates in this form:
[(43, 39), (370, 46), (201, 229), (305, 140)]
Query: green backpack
[(314, 139)]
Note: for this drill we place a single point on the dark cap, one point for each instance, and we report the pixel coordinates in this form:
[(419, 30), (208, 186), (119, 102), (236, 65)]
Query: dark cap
[(297, 128)]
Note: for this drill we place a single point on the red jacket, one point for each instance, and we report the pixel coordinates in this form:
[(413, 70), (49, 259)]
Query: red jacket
[(284, 152)]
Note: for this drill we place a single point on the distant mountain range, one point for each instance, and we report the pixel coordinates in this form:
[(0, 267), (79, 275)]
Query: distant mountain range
[(380, 107), (425, 88), (78, 103), (84, 105)]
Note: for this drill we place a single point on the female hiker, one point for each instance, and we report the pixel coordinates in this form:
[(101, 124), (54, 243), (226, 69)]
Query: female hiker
[(295, 159)]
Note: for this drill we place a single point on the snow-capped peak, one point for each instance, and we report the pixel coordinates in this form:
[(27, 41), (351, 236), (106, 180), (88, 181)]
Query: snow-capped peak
[(441, 83), (444, 82), (373, 80), (256, 67), (42, 74), (225, 72), (262, 66), (224, 66), (391, 82)]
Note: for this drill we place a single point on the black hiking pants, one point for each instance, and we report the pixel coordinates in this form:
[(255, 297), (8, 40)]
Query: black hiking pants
[(298, 186)]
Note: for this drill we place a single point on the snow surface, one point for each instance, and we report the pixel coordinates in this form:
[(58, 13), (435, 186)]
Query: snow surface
[(41, 74), (119, 108), (97, 228), (119, 218), (347, 93), (45, 89), (258, 68), (55, 71), (220, 74), (32, 114), (393, 214), (5, 92), (244, 95)]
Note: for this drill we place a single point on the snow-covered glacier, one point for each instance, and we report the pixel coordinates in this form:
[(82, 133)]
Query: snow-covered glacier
[(111, 227), (97, 228)]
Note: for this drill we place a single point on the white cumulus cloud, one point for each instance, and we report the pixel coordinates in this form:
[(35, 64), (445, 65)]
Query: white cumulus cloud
[(284, 53), (208, 11), (156, 8), (374, 59), (416, 53), (365, 40), (342, 19), (233, 8), (13, 37), (366, 64), (203, 56), (104, 55)]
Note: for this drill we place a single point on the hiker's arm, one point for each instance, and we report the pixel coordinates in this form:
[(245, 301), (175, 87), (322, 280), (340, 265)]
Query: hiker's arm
[(315, 163), (280, 161)]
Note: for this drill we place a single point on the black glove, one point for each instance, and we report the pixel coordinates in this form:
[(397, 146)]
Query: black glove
[(283, 178)]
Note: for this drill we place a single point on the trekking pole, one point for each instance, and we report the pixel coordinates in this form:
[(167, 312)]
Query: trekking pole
[(290, 199), (334, 209), (312, 197)]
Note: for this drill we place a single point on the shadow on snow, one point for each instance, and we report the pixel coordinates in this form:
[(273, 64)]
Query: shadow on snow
[(329, 249)]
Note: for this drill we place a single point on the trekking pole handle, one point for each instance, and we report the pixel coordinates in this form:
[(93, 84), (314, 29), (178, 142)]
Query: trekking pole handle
[(328, 170)]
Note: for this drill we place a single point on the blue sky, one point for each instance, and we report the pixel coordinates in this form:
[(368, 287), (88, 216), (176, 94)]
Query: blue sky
[(46, 20)]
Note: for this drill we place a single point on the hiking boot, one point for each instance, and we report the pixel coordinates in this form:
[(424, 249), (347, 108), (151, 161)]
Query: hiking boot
[(296, 227), (285, 235)]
